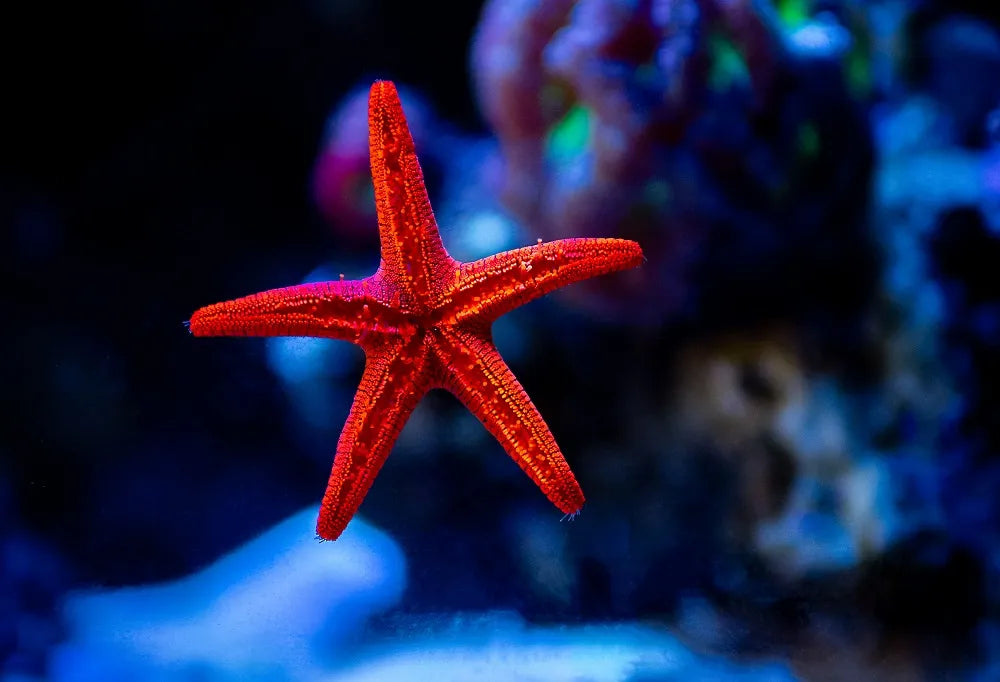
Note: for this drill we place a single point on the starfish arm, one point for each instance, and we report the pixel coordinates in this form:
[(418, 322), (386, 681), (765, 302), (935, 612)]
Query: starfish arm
[(486, 289), (480, 378), (350, 310), (412, 251), (394, 380)]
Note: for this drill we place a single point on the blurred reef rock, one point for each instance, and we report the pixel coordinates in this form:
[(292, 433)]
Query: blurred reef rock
[(726, 142), (501, 647), (288, 607), (280, 607)]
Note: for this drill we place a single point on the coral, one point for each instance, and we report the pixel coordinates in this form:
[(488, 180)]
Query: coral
[(950, 54), (936, 199), (694, 127), (814, 496)]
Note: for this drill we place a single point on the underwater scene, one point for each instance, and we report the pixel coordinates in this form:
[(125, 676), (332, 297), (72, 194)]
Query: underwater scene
[(589, 341)]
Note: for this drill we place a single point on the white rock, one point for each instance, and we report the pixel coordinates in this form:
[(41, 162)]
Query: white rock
[(280, 607)]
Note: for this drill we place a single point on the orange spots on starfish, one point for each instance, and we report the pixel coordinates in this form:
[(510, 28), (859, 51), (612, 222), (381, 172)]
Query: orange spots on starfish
[(394, 381), (497, 284), (488, 388), (423, 320)]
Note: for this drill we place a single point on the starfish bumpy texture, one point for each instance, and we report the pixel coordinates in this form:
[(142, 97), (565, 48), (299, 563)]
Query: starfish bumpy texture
[(423, 320)]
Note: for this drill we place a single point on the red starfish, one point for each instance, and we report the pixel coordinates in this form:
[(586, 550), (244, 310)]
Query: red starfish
[(423, 320)]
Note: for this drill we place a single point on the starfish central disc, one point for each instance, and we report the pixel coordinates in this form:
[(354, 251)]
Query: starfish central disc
[(423, 320)]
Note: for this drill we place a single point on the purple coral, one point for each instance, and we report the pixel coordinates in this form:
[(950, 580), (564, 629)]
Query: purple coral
[(688, 126)]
